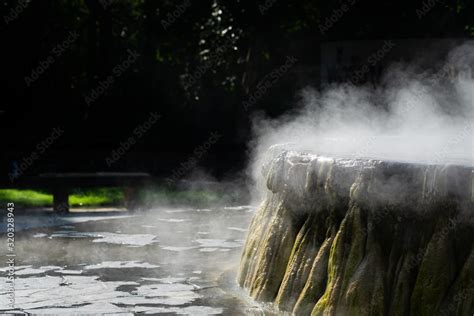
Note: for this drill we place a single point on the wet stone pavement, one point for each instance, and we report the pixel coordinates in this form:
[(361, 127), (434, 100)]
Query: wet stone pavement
[(169, 261)]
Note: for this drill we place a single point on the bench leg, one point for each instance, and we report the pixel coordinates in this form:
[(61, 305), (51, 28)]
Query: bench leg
[(130, 198), (61, 201)]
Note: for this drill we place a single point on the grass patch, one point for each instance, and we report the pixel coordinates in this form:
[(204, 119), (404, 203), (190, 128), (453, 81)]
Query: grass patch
[(26, 197), (96, 197), (91, 197), (155, 195)]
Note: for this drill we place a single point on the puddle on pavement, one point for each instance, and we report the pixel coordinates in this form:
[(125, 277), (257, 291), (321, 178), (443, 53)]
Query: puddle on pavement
[(152, 263)]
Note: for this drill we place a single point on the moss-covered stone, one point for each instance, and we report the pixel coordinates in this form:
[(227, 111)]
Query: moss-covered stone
[(353, 237)]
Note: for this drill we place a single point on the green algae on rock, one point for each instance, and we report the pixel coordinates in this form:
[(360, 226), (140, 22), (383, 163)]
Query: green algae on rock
[(362, 237)]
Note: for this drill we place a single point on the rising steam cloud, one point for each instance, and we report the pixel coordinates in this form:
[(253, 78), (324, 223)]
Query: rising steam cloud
[(412, 116)]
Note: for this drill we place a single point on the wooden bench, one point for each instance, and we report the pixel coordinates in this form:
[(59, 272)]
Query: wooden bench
[(61, 184)]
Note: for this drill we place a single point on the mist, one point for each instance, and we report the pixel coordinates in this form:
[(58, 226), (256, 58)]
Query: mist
[(412, 115)]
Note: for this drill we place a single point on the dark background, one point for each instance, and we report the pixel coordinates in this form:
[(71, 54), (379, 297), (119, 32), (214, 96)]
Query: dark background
[(170, 52)]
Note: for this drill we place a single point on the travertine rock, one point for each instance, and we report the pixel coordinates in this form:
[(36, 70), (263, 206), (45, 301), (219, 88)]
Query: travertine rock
[(362, 237)]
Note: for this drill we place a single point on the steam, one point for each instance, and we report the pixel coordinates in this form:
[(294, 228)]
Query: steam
[(412, 116)]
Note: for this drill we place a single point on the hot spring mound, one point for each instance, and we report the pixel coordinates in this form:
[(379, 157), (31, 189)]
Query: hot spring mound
[(362, 237)]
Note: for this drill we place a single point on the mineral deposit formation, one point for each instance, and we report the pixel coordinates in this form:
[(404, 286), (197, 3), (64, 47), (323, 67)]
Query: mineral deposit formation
[(341, 236)]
